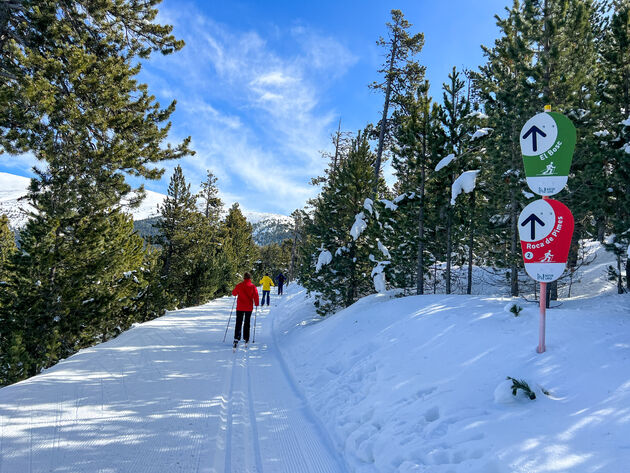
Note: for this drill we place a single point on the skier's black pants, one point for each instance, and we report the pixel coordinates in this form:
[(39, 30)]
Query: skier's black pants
[(265, 293), (279, 288), (240, 314)]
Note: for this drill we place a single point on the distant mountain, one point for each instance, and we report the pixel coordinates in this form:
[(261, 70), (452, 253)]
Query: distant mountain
[(272, 229), (267, 227), (13, 187)]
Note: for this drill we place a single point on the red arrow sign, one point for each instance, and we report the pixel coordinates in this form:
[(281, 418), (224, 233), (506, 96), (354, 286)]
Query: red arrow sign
[(546, 228)]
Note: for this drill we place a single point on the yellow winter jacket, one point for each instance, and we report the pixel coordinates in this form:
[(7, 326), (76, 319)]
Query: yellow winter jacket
[(266, 283)]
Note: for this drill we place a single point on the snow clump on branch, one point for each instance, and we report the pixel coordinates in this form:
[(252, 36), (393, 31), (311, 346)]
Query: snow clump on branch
[(324, 258), (444, 162), (464, 183), (481, 132), (359, 226)]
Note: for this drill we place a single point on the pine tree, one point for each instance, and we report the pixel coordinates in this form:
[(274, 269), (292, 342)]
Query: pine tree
[(49, 51), (418, 136), (204, 279), (348, 276), (456, 108), (209, 194), (614, 134), (178, 216), (7, 248), (71, 98), (12, 350), (75, 284), (509, 100), (299, 219), (273, 259), (239, 247), (399, 70)]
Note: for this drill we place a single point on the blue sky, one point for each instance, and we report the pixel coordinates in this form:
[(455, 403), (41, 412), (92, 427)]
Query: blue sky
[(261, 85)]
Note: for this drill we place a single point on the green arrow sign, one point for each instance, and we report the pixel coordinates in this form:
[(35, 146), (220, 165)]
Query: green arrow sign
[(547, 143)]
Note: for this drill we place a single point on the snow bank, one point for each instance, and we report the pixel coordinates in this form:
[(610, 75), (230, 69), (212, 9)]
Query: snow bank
[(418, 384)]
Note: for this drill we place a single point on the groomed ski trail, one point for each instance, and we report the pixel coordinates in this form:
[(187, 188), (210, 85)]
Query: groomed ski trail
[(167, 396)]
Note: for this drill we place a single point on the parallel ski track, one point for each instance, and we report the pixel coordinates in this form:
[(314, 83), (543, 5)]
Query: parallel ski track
[(252, 418), (259, 406), (229, 420)]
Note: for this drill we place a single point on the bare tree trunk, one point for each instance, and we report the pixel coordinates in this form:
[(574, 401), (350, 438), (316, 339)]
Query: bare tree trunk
[(513, 247), (449, 249), (514, 211), (434, 277), (471, 242), (619, 276), (292, 267), (420, 267), (337, 139)]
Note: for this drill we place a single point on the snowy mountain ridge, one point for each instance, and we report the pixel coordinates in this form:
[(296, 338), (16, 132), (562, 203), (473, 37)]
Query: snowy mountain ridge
[(13, 188)]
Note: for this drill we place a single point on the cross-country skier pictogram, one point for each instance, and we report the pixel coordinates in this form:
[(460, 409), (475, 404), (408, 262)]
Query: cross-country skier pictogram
[(548, 257), (550, 169)]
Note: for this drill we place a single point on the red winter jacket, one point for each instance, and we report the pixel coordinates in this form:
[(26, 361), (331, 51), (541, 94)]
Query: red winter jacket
[(247, 295)]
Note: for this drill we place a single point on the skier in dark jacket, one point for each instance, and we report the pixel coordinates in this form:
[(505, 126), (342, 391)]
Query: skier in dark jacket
[(247, 296), (280, 280)]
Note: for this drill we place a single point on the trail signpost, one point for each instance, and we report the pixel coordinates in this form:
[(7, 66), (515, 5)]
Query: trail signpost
[(546, 225), (547, 143)]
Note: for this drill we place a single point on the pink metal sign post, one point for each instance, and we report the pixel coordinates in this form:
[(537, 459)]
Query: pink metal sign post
[(545, 228), (541, 325)]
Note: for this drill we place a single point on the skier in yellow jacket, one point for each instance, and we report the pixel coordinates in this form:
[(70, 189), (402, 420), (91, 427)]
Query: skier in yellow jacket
[(266, 282)]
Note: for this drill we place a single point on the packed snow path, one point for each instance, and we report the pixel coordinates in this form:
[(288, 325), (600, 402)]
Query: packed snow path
[(166, 396)]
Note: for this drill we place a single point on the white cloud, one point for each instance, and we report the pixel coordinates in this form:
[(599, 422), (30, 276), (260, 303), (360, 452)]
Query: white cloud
[(255, 114)]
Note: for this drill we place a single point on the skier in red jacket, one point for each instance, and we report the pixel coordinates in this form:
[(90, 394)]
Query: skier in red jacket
[(247, 296)]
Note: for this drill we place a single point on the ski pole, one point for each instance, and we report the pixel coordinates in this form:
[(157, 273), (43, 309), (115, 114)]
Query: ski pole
[(255, 313), (230, 318)]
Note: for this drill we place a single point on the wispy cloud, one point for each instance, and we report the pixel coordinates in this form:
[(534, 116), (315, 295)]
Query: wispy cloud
[(256, 113)]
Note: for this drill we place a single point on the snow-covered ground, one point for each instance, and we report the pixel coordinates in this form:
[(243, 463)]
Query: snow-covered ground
[(390, 384), (418, 384), (166, 396)]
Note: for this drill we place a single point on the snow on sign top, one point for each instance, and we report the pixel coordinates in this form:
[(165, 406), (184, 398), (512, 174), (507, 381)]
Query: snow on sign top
[(547, 143)]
